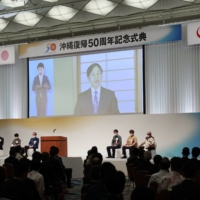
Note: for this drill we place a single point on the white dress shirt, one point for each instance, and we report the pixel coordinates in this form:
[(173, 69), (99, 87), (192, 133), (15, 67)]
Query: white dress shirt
[(98, 94), (39, 181), (40, 78)]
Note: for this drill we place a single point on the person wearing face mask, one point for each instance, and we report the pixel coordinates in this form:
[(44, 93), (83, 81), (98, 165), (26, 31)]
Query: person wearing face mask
[(149, 142), (33, 144), (115, 144), (97, 100), (16, 141), (130, 143)]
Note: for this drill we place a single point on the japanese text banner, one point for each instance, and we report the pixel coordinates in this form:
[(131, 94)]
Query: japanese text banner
[(118, 39)]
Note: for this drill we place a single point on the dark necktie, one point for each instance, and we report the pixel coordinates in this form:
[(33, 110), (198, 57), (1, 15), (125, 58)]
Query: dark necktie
[(95, 103)]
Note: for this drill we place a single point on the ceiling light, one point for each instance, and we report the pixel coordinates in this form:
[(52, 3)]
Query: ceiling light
[(189, 1), (143, 4), (3, 24), (61, 13), (51, 0), (99, 7), (13, 4), (27, 18)]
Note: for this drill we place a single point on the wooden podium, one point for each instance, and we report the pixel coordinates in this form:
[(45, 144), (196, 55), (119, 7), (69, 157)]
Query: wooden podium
[(58, 141)]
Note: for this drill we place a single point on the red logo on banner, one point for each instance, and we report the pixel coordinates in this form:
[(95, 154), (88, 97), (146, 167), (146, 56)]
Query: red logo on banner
[(53, 47), (4, 55), (198, 32)]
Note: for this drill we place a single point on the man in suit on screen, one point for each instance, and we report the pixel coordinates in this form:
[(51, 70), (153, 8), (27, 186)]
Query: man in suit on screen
[(97, 100), (41, 85)]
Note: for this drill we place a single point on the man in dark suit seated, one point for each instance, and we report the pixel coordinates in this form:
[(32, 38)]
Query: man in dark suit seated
[(133, 156), (16, 188), (195, 154), (188, 189), (95, 178), (33, 144), (97, 100), (185, 153), (11, 159), (146, 165), (115, 144), (41, 85)]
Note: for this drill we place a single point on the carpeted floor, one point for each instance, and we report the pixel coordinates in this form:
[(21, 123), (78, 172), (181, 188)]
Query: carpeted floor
[(75, 192)]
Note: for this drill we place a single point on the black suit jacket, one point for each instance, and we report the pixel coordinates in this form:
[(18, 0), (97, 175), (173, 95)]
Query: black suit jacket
[(107, 104), (187, 190), (42, 91), (11, 160), (1, 143)]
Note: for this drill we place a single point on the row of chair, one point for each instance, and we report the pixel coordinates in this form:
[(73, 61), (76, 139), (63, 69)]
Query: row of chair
[(6, 172)]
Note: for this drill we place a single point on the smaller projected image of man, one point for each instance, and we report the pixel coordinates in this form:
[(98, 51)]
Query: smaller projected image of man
[(41, 85), (97, 100)]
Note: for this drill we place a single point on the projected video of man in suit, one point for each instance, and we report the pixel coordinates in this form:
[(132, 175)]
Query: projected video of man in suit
[(97, 100), (41, 85)]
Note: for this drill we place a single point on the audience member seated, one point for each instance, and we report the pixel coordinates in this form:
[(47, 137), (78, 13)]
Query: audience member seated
[(133, 156), (11, 159), (140, 159), (115, 184), (156, 168), (67, 171), (142, 193), (131, 143), (88, 154), (146, 165), (36, 176), (185, 153), (33, 144), (164, 170), (94, 150), (16, 188), (195, 154), (16, 141), (174, 177), (18, 156), (97, 159), (116, 143), (188, 189), (98, 191), (149, 142), (95, 178)]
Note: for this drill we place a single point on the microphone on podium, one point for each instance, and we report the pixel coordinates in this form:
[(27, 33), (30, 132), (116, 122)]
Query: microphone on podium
[(54, 131)]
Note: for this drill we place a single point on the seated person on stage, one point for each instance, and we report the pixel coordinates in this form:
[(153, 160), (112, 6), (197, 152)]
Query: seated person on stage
[(174, 177), (188, 189), (164, 170), (16, 141), (115, 144), (33, 144), (185, 153), (130, 143), (11, 159), (149, 143), (1, 143)]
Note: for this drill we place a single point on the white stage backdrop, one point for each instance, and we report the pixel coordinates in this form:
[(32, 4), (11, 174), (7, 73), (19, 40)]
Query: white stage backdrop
[(172, 77), (171, 131)]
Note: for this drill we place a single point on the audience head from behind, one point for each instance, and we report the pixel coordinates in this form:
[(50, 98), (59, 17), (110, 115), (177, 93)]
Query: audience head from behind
[(12, 152), (186, 152), (147, 156), (45, 157), (35, 165), (18, 149), (157, 159), (36, 156), (95, 173), (106, 168), (115, 183), (141, 153), (135, 152), (94, 150), (142, 192), (57, 150), (22, 169), (190, 170), (97, 159), (165, 164), (53, 151), (176, 164), (195, 152)]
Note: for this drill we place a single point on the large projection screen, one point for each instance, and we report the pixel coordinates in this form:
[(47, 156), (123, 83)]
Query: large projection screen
[(105, 83)]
